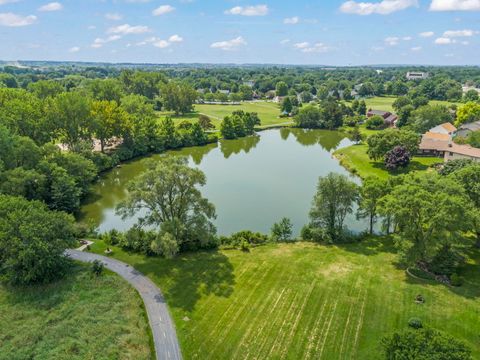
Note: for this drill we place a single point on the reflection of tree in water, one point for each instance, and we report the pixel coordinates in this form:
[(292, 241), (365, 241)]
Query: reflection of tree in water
[(197, 153), (229, 147), (284, 133), (328, 139)]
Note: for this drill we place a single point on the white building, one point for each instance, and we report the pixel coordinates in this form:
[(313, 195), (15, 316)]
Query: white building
[(414, 75)]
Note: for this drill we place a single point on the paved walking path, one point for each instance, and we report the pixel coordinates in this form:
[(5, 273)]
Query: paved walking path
[(163, 329)]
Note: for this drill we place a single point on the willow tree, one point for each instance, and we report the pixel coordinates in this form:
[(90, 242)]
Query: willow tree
[(168, 198)]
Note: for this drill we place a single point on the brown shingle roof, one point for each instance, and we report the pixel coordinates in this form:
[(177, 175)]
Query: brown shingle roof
[(436, 136), (449, 127)]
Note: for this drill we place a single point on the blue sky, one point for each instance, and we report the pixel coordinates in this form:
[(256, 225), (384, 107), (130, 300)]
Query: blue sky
[(442, 32)]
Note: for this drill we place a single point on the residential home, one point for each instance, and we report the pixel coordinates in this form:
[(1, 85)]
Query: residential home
[(414, 75), (466, 129), (390, 119), (278, 99)]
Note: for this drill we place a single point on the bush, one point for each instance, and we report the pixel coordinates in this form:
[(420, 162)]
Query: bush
[(97, 267), (445, 262), (375, 122), (235, 240), (456, 280), (396, 158), (415, 323), (245, 246), (138, 240), (424, 344), (282, 231)]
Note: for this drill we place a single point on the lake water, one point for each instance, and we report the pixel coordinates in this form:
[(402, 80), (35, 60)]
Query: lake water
[(253, 182)]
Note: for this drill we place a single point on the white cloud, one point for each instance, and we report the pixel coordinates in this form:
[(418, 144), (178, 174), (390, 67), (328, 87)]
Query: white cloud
[(99, 42), (384, 7), (162, 10), (392, 40), (459, 33), (455, 5), (175, 38), (285, 41), (427, 34), (53, 6), (229, 44), (74, 49), (416, 48), (301, 45), (113, 16), (406, 38), (444, 41), (14, 20), (161, 44), (257, 10), (128, 29), (291, 21), (316, 48)]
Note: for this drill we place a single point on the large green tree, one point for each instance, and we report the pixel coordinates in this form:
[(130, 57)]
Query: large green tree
[(334, 200), (168, 198), (371, 191), (32, 241), (178, 97), (381, 143), (428, 212)]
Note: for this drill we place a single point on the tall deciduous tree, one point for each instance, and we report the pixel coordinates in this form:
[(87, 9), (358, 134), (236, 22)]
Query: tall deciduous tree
[(178, 97), (371, 191), (334, 200), (32, 241), (167, 195), (428, 212), (108, 121), (381, 143)]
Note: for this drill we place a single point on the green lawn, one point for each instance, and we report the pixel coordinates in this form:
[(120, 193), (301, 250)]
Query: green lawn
[(267, 111), (385, 103), (356, 160), (79, 317), (303, 301)]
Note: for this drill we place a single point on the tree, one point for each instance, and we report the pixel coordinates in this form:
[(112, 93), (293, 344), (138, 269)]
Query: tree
[(428, 212), (32, 241), (227, 129), (168, 198), (356, 134), (375, 122), (334, 200), (371, 191), (468, 113), (281, 89), (401, 102), (178, 97), (426, 117), (287, 106), (205, 122), (309, 116), (46, 88), (424, 344), (362, 108), (471, 95), (282, 231), (474, 139), (381, 143), (108, 121), (396, 158), (70, 113)]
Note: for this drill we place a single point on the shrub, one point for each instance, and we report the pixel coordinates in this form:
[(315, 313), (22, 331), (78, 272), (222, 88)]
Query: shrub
[(424, 344), (397, 157), (456, 280), (97, 267), (445, 262), (375, 122), (415, 323), (235, 240), (245, 246), (282, 231)]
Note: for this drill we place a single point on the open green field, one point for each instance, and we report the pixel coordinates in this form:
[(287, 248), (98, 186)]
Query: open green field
[(79, 317), (385, 103), (268, 112), (356, 160), (303, 300)]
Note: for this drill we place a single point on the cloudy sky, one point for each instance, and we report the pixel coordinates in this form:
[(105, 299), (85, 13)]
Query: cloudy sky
[(235, 31)]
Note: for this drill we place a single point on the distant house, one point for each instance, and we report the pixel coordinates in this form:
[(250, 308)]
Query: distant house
[(226, 92), (249, 83), (413, 75), (439, 142), (390, 119), (466, 129), (278, 99), (466, 88)]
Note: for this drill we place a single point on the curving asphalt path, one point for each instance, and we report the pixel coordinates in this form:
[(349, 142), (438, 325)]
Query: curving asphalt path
[(163, 329)]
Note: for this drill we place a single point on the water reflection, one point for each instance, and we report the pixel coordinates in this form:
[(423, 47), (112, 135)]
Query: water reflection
[(253, 181)]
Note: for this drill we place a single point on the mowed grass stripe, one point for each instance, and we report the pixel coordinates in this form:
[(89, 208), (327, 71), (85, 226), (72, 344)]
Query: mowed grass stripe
[(220, 332)]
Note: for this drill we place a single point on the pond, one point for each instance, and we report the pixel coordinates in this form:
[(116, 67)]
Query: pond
[(253, 182)]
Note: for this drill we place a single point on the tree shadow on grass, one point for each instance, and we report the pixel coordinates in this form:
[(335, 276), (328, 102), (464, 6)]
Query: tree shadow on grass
[(188, 277), (413, 166), (372, 245)]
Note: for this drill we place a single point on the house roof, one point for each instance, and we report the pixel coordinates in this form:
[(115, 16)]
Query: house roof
[(436, 136), (449, 127), (378, 112), (471, 126), (464, 150)]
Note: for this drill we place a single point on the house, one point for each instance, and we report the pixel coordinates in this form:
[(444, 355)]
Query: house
[(226, 92), (414, 75), (249, 83), (445, 128), (439, 142), (466, 88), (466, 129), (278, 99), (390, 119)]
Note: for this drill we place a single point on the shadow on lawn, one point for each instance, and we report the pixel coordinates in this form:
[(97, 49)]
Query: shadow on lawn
[(413, 166), (188, 277), (371, 246)]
